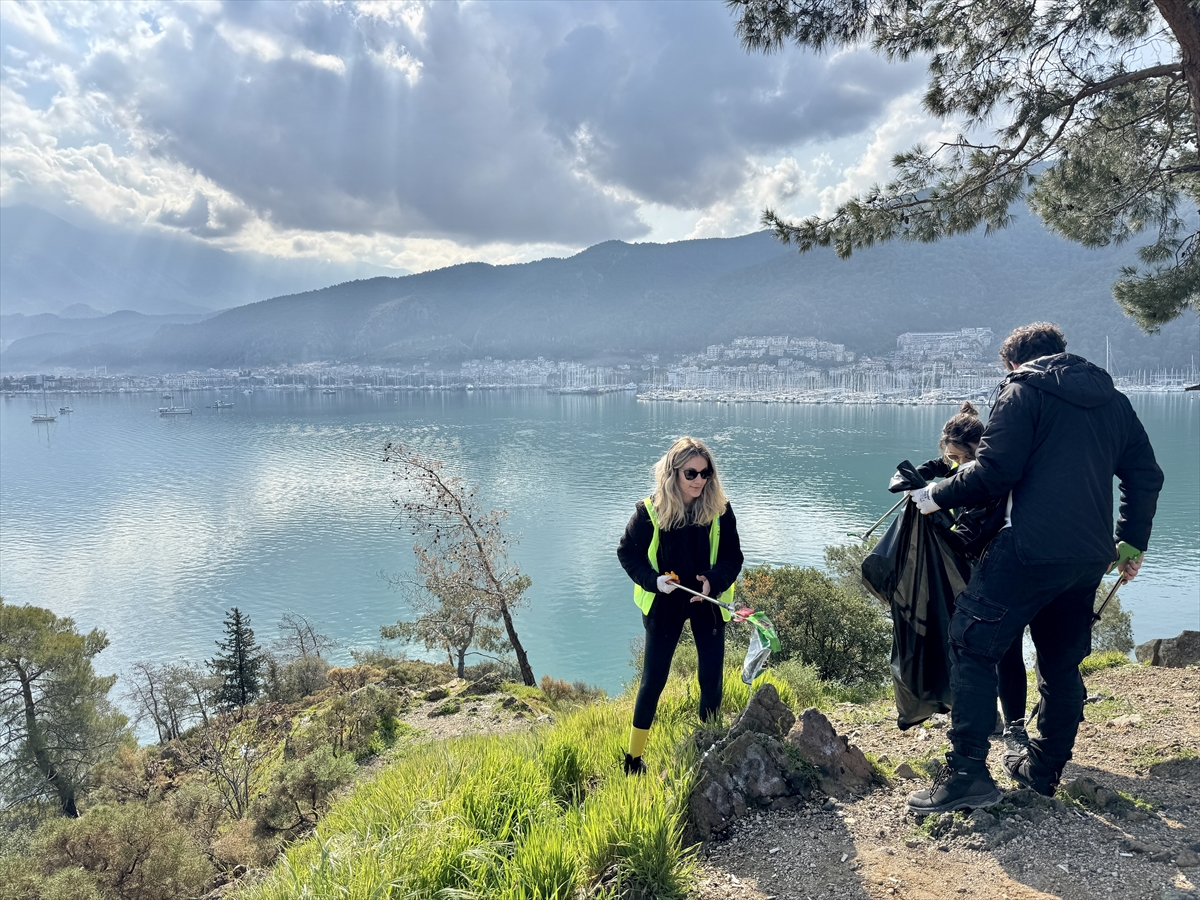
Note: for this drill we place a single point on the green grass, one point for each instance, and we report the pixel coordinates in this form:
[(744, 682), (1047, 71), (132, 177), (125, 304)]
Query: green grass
[(1105, 659), (1107, 709), (535, 815), (1145, 757)]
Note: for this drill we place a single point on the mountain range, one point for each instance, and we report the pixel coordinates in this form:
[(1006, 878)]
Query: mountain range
[(619, 301)]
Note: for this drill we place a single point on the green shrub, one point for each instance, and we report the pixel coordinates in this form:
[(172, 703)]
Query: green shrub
[(133, 850), (804, 682), (292, 682), (844, 563), (300, 791), (1105, 659), (1114, 631), (844, 636)]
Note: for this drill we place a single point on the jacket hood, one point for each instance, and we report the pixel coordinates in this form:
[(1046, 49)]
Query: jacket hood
[(1069, 377)]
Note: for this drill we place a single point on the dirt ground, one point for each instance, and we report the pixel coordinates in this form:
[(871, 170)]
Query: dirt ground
[(1140, 746)]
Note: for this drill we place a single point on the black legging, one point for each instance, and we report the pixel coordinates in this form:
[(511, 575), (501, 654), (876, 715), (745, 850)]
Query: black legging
[(1011, 683), (664, 626)]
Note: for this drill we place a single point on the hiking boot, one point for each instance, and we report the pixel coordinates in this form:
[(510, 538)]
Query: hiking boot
[(961, 784), (1025, 771), (634, 765), (1016, 738)]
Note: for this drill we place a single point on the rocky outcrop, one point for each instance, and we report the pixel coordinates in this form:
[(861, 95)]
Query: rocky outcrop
[(843, 768), (1172, 653), (751, 768)]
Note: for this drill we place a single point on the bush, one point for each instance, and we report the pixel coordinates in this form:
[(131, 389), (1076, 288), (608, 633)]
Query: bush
[(240, 846), (292, 682), (1105, 659), (135, 851), (359, 723), (844, 563), (805, 683), (560, 693), (1114, 631), (845, 637), (300, 791)]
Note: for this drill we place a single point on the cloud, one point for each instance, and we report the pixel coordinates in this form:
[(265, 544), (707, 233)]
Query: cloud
[(425, 131)]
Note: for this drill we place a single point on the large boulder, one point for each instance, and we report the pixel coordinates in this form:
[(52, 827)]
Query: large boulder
[(1173, 653), (751, 768), (844, 770)]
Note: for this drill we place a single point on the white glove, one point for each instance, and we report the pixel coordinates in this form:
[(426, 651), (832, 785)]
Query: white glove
[(924, 502), (666, 584)]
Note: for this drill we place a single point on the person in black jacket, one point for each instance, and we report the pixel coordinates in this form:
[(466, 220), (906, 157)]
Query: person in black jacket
[(974, 528), (685, 533), (1058, 433)]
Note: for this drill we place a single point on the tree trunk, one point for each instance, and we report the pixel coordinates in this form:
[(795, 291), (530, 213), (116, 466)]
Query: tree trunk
[(462, 661), (41, 758), (522, 658), (1183, 18)]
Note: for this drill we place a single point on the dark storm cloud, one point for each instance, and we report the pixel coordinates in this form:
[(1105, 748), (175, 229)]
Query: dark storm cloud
[(512, 122)]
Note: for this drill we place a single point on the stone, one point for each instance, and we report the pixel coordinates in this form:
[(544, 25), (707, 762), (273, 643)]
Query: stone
[(843, 767), (1126, 721), (764, 714), (1174, 653), (904, 770), (1187, 858), (1175, 893), (752, 772), (488, 684), (436, 694)]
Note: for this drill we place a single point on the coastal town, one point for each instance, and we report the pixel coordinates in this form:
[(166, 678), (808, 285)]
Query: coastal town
[(924, 367)]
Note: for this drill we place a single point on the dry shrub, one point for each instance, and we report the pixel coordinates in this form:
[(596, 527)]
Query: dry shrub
[(240, 846), (346, 680)]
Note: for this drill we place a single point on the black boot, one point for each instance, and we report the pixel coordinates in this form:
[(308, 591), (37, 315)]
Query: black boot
[(634, 765), (1028, 773), (961, 784), (1016, 738)]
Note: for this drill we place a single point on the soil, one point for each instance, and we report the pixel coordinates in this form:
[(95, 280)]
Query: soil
[(1141, 738), (491, 713)]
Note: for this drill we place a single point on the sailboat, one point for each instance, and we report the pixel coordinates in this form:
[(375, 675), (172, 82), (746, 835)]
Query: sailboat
[(44, 416)]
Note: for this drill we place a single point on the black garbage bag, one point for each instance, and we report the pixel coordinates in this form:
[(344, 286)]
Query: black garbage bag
[(916, 571)]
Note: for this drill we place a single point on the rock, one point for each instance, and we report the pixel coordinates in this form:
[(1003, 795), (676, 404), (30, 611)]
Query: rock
[(764, 714), (1173, 653), (1091, 793), (436, 694), (1174, 893), (1183, 768), (1126, 721), (904, 770), (488, 684), (753, 771), (843, 767), (1162, 856), (1187, 858)]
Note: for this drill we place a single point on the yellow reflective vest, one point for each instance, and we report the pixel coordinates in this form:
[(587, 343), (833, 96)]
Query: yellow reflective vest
[(644, 598)]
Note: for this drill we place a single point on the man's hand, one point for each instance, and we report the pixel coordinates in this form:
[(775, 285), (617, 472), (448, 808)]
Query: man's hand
[(705, 589), (924, 502), (667, 583), (1129, 560)]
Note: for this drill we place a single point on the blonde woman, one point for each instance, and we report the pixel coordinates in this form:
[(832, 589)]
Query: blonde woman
[(687, 528)]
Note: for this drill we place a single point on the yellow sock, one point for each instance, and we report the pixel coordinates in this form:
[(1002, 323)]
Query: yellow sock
[(637, 741)]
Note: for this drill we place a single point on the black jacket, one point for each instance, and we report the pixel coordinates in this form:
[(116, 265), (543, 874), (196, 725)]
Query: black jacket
[(974, 526), (1057, 435), (683, 551)]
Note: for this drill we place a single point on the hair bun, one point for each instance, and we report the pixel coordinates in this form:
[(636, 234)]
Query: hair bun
[(968, 409)]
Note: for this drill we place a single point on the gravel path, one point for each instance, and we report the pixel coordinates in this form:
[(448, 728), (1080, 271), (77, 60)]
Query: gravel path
[(1144, 845)]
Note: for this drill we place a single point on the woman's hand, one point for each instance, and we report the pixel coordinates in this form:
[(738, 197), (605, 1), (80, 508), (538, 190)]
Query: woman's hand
[(705, 589), (667, 583)]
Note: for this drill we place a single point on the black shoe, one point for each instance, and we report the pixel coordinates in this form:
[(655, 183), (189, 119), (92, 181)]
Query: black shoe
[(634, 765), (1016, 738), (1022, 769), (960, 784)]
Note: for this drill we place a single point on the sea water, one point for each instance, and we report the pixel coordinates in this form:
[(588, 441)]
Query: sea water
[(151, 528)]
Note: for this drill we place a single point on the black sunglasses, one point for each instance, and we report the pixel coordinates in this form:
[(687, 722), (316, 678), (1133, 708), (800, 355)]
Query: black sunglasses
[(705, 473)]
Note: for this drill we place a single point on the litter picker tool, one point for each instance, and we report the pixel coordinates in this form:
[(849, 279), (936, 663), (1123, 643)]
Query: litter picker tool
[(1111, 594), (881, 520), (763, 639)]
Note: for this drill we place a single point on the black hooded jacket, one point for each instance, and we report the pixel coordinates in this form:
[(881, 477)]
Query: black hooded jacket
[(1057, 435)]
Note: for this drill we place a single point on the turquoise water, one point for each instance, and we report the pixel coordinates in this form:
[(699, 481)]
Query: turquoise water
[(151, 528)]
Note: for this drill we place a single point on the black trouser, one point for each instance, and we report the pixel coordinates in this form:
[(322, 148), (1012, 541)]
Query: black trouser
[(663, 627), (1003, 596), (1010, 680)]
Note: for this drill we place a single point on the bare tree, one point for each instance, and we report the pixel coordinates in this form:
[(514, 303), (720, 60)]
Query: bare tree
[(451, 621), (169, 695), (298, 637), (461, 549)]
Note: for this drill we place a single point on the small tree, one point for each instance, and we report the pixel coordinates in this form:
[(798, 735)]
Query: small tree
[(1114, 631), (844, 563), (298, 637), (843, 635), (452, 622), (55, 716), (169, 695), (461, 550), (237, 664)]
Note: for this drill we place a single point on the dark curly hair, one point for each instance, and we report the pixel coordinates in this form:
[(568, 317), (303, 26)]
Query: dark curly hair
[(1032, 342), (963, 429)]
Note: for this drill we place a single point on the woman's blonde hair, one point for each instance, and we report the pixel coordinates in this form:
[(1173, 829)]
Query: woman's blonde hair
[(669, 505)]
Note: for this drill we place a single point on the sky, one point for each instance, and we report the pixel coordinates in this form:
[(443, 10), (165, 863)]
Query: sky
[(418, 135)]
